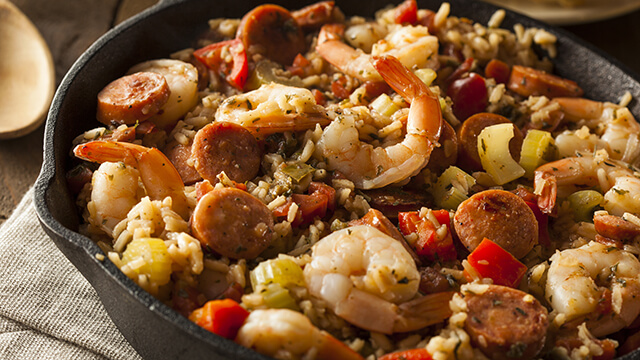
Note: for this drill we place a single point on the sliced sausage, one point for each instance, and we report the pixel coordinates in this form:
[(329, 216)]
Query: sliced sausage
[(132, 98), (433, 281), (228, 147), (271, 30), (468, 132), (528, 81), (392, 200), (179, 155), (376, 219), (500, 216), (313, 16), (505, 323), (446, 155), (233, 223), (615, 227)]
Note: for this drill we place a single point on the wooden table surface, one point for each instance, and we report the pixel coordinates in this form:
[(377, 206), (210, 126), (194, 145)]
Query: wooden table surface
[(69, 27)]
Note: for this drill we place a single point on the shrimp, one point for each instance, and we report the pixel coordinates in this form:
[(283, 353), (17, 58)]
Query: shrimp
[(412, 45), (578, 280), (619, 183), (370, 167), (114, 192), (287, 334), (618, 130), (273, 108), (158, 175), (360, 271), (182, 79)]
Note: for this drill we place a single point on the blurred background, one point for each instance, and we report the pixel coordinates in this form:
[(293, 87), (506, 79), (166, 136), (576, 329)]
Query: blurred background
[(69, 27)]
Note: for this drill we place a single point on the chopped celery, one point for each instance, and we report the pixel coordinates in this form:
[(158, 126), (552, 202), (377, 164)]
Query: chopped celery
[(150, 257), (493, 148), (384, 105), (277, 297), (298, 171), (452, 188), (281, 271), (426, 75), (266, 72), (535, 148), (584, 203)]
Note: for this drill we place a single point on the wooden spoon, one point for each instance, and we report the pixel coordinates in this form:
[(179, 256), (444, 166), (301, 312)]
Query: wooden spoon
[(27, 75)]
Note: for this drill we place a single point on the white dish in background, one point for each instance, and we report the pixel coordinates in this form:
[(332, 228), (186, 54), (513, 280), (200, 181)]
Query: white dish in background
[(555, 14)]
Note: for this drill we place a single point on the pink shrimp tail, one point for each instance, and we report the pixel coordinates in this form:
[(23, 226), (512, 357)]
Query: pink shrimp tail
[(546, 187)]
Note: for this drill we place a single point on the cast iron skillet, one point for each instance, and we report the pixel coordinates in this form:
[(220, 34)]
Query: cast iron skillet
[(153, 329)]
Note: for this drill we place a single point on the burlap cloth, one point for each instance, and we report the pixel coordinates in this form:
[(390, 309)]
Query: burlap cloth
[(47, 308)]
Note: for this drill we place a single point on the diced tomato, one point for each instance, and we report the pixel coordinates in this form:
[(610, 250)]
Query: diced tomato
[(340, 88), (428, 245), (469, 96), (498, 70), (234, 70), (492, 261), (412, 354), (376, 88), (316, 204), (319, 96), (299, 64), (543, 224), (325, 189), (221, 317), (406, 13)]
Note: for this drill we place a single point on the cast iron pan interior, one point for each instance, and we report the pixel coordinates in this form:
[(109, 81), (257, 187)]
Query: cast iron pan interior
[(153, 329)]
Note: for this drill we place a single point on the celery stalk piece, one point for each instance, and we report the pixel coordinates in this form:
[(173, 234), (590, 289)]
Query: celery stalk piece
[(583, 203), (277, 297), (149, 257), (384, 105), (452, 188), (493, 148), (280, 271), (426, 75), (535, 148)]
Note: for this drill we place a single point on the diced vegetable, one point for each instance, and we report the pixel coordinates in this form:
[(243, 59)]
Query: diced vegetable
[(426, 75), (536, 147), (412, 354), (298, 171), (316, 204), (406, 13), (265, 73), (584, 203), (221, 317), (452, 188), (469, 96), (277, 297), (490, 260), (498, 70), (148, 257), (384, 105), (280, 271), (493, 148), (432, 243), (234, 69)]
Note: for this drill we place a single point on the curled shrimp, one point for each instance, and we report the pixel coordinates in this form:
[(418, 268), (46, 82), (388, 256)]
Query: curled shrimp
[(273, 108), (360, 271), (618, 182), (287, 334), (370, 167), (578, 281), (412, 45), (158, 175), (114, 191), (618, 130)]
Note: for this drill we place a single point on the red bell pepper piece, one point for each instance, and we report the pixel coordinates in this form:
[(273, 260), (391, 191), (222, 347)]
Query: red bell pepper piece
[(234, 70), (222, 317), (411, 354), (406, 13), (428, 245), (316, 204), (492, 261)]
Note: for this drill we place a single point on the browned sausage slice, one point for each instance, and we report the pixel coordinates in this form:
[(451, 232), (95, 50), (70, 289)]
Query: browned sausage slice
[(468, 132), (528, 81), (272, 31), (315, 15), (505, 323), (233, 223), (179, 155), (228, 147), (447, 153), (500, 216), (132, 98), (615, 227)]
